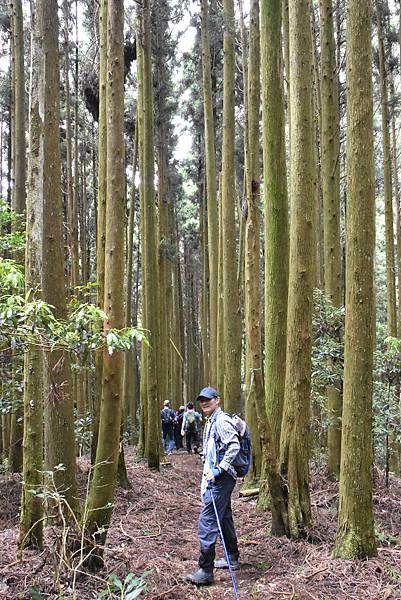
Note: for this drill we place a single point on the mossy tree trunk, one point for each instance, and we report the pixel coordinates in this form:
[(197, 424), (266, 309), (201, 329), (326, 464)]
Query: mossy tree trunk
[(31, 525), (316, 113), (254, 388), (149, 243), (129, 400), (101, 495), (101, 210), (276, 223), (330, 159), (231, 299), (294, 450), (59, 414), (355, 533), (211, 183)]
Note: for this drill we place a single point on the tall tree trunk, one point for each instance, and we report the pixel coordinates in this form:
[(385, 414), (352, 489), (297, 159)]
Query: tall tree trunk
[(101, 210), (59, 414), (18, 195), (231, 299), (388, 197), (68, 136), (211, 181), (276, 226), (254, 388), (149, 244), (294, 451), (101, 494), (397, 209), (355, 534), (129, 391), (396, 451), (31, 525), (330, 146), (316, 112), (220, 303), (393, 458)]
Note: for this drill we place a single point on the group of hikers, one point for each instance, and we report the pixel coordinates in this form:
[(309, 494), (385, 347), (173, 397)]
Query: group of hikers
[(226, 456), (186, 422)]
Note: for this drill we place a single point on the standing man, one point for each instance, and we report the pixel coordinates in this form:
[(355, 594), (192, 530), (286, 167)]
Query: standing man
[(220, 448), (167, 416)]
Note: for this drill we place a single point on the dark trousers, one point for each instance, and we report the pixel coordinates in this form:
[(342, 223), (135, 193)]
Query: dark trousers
[(178, 437), (208, 530), (191, 437)]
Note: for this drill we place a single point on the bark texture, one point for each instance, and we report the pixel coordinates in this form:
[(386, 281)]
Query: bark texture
[(59, 413), (294, 452), (232, 317), (101, 495), (355, 534), (330, 159)]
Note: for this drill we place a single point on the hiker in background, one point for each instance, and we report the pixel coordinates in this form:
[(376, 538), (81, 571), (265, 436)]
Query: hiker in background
[(178, 435), (220, 448), (191, 425), (167, 416)]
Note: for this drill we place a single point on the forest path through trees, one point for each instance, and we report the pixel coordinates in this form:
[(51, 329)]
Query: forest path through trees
[(154, 527)]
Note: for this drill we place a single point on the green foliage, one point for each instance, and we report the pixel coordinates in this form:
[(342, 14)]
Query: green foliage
[(11, 277), (24, 322), (385, 538), (34, 593), (386, 380), (328, 365), (130, 588), (327, 351), (11, 241), (168, 248), (83, 432)]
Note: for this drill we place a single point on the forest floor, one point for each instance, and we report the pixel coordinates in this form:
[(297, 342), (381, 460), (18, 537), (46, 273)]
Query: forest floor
[(154, 529)]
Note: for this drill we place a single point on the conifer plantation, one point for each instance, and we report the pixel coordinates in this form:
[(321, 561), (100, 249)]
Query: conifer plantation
[(200, 194)]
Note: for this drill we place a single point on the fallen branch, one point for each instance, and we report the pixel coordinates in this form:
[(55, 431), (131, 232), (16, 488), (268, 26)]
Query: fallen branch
[(139, 537), (248, 493)]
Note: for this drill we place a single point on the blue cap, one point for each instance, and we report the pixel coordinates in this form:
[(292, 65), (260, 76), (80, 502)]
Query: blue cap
[(208, 392)]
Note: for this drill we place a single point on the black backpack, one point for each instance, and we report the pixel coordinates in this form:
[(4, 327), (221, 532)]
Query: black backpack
[(168, 417)]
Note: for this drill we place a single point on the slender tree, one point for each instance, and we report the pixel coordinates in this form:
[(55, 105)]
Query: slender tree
[(59, 415), (294, 452), (31, 526), (387, 180), (232, 317), (388, 212), (355, 534), (101, 494), (212, 210), (254, 388), (330, 152), (276, 216), (149, 244), (101, 208), (129, 393), (18, 190)]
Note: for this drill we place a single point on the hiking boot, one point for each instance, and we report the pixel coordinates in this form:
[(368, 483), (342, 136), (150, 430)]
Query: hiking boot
[(223, 564), (200, 577)]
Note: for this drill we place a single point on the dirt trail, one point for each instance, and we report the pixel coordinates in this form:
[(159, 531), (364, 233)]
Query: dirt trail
[(154, 528)]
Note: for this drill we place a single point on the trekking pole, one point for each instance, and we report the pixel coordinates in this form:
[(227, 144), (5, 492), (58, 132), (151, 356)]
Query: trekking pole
[(236, 594)]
